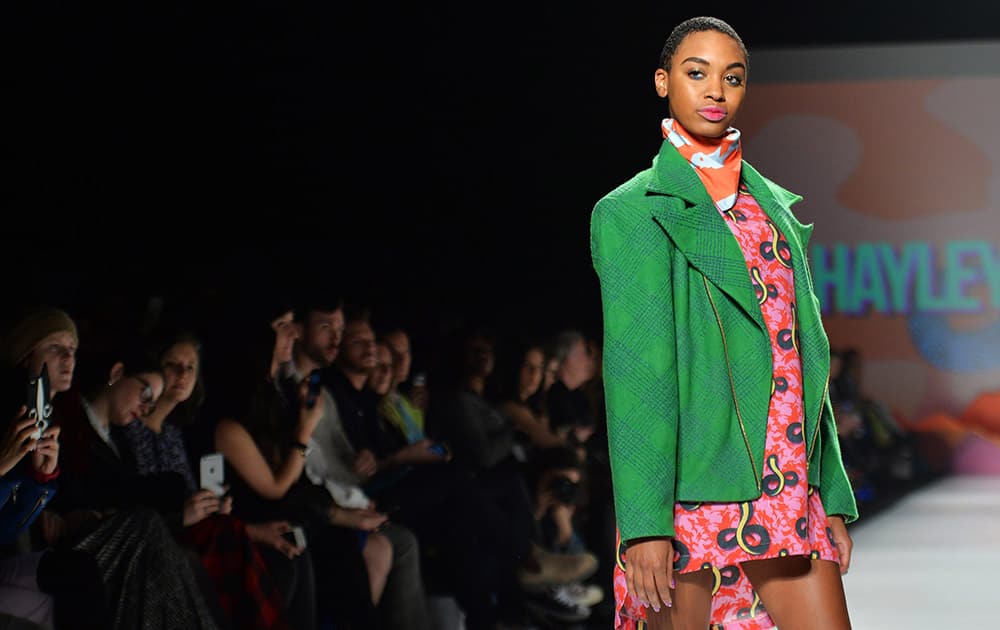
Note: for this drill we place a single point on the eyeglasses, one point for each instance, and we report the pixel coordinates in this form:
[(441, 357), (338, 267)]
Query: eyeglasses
[(147, 396)]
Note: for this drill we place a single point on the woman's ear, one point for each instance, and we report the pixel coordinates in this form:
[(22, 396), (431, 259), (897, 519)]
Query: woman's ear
[(660, 79), (117, 370)]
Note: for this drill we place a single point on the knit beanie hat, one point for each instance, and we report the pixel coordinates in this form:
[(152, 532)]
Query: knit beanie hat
[(34, 326)]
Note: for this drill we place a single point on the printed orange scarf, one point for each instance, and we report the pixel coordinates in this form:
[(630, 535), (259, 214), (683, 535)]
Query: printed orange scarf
[(717, 162)]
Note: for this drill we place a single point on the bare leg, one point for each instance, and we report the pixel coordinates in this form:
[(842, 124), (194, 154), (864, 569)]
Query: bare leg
[(799, 593), (692, 604), (378, 559)]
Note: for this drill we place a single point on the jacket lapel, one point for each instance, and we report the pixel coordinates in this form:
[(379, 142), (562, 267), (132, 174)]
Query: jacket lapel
[(698, 229), (778, 209), (814, 355)]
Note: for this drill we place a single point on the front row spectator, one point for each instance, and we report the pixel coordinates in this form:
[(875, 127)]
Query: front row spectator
[(336, 468), (264, 436), (118, 570), (158, 445)]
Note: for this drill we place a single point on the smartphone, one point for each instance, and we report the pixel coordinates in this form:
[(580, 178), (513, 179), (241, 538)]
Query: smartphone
[(438, 448), (38, 405), (213, 473), (313, 385), (297, 536)]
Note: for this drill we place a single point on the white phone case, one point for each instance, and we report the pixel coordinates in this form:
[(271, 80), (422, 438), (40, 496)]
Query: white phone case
[(300, 537), (213, 472)]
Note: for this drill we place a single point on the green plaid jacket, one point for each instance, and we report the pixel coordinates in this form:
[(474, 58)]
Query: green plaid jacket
[(687, 356)]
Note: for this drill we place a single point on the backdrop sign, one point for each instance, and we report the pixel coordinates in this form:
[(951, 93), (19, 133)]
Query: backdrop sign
[(896, 151)]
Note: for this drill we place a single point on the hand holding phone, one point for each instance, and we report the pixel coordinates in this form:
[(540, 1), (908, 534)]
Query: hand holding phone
[(39, 408), (296, 536), (313, 387), (212, 473)]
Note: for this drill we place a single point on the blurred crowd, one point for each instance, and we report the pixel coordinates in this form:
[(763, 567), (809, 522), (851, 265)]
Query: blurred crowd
[(355, 490), (883, 459), (362, 483)]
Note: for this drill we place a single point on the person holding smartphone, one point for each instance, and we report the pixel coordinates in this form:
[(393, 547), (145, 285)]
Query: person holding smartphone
[(28, 472), (119, 463), (265, 433), (75, 550), (39, 353)]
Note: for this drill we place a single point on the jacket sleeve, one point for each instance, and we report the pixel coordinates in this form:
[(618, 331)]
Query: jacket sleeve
[(22, 499), (631, 256), (835, 487)]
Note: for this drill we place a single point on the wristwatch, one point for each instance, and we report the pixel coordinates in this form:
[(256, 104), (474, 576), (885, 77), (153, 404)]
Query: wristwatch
[(305, 449)]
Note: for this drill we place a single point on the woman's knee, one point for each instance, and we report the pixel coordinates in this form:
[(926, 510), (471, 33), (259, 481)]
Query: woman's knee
[(378, 554)]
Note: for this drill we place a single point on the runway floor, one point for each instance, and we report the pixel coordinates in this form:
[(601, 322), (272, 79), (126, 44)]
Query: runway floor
[(929, 561)]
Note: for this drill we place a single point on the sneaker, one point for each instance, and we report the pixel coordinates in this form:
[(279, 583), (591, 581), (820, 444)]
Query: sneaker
[(555, 605), (588, 595), (556, 569)]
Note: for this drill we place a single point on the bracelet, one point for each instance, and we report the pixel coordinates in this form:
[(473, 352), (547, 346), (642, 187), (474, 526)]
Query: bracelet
[(41, 477), (302, 448)]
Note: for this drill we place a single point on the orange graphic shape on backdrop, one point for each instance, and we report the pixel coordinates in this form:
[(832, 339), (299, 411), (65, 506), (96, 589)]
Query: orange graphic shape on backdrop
[(983, 414), (897, 176)]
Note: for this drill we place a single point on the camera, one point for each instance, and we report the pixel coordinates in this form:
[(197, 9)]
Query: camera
[(565, 490)]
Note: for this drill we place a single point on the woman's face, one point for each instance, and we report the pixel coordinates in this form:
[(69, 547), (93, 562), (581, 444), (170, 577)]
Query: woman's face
[(132, 397), (706, 83), (381, 376), (180, 366), (399, 343), (58, 353), (532, 371), (285, 334)]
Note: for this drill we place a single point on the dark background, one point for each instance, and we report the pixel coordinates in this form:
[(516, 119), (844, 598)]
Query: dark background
[(436, 161)]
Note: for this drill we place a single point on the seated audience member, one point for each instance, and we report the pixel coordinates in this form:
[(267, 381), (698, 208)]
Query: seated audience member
[(335, 466), (28, 472), (557, 477), (481, 438), (517, 396), (568, 407), (244, 580), (412, 387), (878, 453), (264, 436), (120, 383), (119, 569)]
